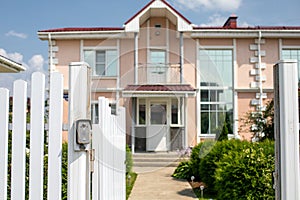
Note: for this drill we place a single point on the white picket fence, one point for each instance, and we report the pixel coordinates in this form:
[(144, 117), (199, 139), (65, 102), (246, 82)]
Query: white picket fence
[(109, 143), (108, 178), (18, 156)]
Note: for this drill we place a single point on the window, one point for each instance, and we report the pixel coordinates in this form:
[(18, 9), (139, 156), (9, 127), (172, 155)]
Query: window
[(175, 114), (292, 54), (216, 91), (103, 62), (158, 113), (95, 111), (142, 112)]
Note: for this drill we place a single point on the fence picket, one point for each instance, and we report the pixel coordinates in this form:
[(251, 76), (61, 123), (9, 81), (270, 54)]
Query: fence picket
[(18, 140), (4, 103), (120, 155), (55, 136), (37, 136)]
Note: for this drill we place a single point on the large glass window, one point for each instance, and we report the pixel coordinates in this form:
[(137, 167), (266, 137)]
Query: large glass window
[(292, 54), (103, 62), (216, 91)]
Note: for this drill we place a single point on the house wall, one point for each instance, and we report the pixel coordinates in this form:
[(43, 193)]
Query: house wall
[(70, 51)]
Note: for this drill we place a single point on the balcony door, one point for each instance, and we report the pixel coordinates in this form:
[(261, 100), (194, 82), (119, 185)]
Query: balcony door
[(157, 69)]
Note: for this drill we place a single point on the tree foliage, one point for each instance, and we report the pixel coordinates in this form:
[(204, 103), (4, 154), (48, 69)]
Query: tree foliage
[(261, 124)]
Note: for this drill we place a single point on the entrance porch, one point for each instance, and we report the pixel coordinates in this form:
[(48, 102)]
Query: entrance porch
[(159, 117)]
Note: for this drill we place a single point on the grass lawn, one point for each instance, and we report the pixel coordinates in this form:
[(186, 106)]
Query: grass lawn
[(130, 183)]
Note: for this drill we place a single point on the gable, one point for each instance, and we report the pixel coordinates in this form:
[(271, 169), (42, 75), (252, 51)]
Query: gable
[(158, 8)]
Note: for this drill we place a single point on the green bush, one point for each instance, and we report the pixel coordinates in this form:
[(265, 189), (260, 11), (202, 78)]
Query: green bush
[(208, 164), (129, 160), (232, 169), (198, 153), (246, 174), (183, 171)]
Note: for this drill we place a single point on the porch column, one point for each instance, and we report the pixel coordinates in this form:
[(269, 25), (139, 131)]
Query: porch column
[(185, 123), (136, 58), (181, 61), (133, 111)]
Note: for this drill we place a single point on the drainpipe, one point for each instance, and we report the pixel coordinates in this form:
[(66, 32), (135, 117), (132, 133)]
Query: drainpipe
[(181, 61), (51, 68), (260, 73)]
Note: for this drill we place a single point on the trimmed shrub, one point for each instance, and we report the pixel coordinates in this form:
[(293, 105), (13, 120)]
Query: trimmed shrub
[(246, 174), (183, 171), (208, 164), (198, 153)]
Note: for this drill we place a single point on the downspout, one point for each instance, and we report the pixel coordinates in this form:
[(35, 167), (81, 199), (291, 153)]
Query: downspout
[(118, 80), (260, 73), (136, 58), (181, 61), (51, 53)]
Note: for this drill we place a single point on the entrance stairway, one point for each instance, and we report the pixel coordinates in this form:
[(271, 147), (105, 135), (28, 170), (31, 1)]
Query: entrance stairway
[(146, 162)]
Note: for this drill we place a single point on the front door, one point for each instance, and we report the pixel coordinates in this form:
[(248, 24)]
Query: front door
[(158, 129)]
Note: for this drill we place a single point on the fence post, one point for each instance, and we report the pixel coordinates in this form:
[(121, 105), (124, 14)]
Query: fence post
[(4, 103), (286, 130), (18, 140), (79, 108)]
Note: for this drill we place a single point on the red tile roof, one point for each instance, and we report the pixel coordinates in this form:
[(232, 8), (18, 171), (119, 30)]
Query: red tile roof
[(171, 7), (249, 28), (179, 87), (73, 29)]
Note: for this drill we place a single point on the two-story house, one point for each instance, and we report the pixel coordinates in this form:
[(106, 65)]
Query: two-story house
[(178, 82)]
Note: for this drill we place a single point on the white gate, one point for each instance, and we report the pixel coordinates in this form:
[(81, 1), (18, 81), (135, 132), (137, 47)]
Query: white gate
[(108, 144), (36, 128), (110, 154)]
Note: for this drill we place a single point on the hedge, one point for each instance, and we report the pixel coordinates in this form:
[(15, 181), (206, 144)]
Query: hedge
[(246, 174), (232, 169)]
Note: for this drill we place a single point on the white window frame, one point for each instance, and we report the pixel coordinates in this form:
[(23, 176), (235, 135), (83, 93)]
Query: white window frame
[(208, 48), (106, 48)]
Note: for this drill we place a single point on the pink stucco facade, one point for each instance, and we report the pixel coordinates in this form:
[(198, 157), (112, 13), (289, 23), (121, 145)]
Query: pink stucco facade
[(158, 32)]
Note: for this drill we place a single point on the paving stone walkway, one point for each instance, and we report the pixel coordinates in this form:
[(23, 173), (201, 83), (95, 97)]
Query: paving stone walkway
[(158, 184)]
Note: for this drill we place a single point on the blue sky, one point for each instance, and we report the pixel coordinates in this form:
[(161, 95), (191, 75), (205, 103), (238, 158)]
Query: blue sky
[(20, 21)]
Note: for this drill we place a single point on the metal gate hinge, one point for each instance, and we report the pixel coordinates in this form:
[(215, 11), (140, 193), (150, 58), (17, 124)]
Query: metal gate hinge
[(92, 159)]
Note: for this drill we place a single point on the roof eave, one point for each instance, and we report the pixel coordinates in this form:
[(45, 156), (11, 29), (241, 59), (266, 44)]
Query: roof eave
[(11, 66), (82, 34), (242, 33), (134, 93)]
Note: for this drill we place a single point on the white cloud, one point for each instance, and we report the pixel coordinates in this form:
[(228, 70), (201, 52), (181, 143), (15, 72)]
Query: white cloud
[(221, 5), (15, 34), (35, 63), (215, 20)]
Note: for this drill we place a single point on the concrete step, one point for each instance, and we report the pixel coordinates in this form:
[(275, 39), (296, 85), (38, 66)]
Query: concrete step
[(155, 164), (156, 159)]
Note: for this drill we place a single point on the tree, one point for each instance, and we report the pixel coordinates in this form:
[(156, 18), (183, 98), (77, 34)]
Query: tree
[(262, 123), (224, 133)]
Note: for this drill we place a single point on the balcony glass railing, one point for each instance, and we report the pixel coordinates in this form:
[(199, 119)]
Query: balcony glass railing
[(159, 73)]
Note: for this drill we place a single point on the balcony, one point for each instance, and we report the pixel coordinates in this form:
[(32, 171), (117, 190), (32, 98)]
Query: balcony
[(158, 73)]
